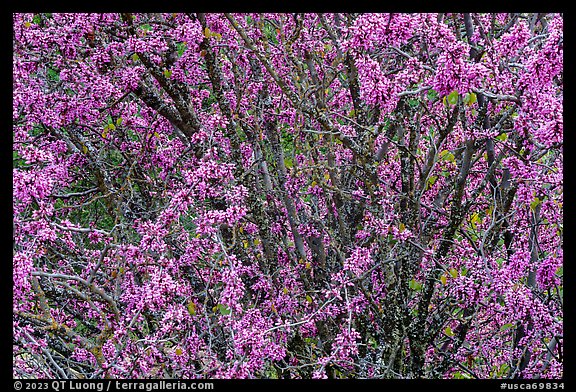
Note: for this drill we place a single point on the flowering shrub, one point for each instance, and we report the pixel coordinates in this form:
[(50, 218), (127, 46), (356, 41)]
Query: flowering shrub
[(288, 195)]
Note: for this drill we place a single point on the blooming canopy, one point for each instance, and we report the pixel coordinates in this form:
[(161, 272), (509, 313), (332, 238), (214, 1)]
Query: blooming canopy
[(288, 195)]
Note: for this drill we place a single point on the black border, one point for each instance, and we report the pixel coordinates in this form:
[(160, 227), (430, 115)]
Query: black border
[(238, 6)]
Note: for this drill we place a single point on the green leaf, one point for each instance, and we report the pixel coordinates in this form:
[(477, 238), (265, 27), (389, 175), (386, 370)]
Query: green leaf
[(431, 181), (535, 204), (470, 99), (461, 376), (560, 271), (207, 32), (224, 310), (191, 308), (372, 342), (167, 73), (443, 279), (506, 327), (270, 33), (119, 121), (453, 98), (181, 48), (490, 210), (474, 219), (446, 155), (415, 285), (504, 369), (53, 75), (502, 137), (454, 272), (309, 299), (135, 57), (288, 163), (448, 331), (432, 94)]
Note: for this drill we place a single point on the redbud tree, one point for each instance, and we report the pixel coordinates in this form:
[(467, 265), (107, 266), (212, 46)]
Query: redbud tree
[(287, 195)]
